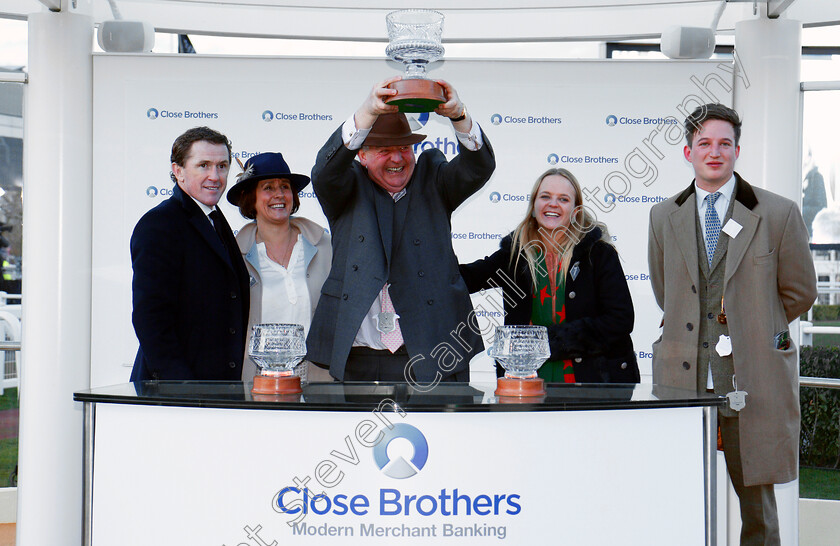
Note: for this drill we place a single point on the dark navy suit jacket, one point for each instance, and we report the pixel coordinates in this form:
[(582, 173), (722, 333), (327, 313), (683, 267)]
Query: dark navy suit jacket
[(190, 300)]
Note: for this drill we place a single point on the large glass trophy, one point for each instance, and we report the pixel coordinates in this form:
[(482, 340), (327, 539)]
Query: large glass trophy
[(414, 40), (277, 349), (521, 350)]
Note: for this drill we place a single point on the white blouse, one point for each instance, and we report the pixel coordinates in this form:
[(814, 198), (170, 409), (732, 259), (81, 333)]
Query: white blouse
[(285, 296)]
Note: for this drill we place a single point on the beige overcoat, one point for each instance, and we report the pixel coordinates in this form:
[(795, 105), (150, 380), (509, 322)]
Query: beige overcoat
[(317, 254), (769, 281)]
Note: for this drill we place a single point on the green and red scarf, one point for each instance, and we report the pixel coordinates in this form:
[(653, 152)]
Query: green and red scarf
[(548, 307)]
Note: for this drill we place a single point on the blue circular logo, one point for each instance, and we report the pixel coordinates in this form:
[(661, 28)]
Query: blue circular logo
[(496, 119), (611, 120), (553, 159), (417, 121), (495, 197), (152, 113), (399, 468), (151, 191), (609, 198), (267, 115)]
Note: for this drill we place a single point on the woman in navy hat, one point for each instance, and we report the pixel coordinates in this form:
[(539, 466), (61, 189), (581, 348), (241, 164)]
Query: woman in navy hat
[(287, 257)]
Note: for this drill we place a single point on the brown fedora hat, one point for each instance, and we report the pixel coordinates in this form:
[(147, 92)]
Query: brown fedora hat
[(392, 130)]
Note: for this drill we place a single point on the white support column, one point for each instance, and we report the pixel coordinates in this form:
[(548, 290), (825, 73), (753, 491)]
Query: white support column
[(767, 97), (56, 276)]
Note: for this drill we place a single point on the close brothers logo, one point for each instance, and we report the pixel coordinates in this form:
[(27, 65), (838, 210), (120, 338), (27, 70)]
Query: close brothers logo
[(399, 468), (293, 117), (495, 197), (417, 121), (154, 191), (163, 113), (523, 119), (612, 198), (612, 120), (399, 452)]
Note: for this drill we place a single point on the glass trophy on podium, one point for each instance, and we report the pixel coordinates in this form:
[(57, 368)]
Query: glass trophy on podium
[(414, 40), (277, 349), (521, 350)]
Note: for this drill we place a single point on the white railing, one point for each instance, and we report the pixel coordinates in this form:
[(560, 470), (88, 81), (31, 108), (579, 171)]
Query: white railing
[(820, 382), (817, 518), (10, 346), (5, 297), (807, 331), (10, 311)]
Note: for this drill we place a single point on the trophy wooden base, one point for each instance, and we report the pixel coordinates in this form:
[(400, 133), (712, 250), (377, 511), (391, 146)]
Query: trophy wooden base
[(532, 387), (276, 397), (520, 399), (267, 384), (416, 95)]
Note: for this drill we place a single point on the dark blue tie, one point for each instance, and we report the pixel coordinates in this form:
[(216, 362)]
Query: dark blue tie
[(226, 235)]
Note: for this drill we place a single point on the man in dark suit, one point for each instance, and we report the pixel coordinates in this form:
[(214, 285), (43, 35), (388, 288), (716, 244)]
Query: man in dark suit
[(190, 286), (394, 306), (730, 268)]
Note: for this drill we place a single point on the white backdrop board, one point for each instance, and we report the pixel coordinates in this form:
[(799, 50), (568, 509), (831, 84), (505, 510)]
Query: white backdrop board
[(615, 124), (172, 476)]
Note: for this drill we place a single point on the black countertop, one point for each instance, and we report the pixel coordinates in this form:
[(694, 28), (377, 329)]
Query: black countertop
[(445, 397)]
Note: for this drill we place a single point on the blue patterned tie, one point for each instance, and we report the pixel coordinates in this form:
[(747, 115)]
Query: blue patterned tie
[(712, 225)]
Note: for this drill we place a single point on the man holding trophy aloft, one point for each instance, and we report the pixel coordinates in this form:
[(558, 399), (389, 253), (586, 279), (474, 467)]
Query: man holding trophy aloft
[(394, 292)]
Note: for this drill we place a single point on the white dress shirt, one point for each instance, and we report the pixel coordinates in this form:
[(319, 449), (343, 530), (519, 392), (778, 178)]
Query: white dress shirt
[(721, 205)]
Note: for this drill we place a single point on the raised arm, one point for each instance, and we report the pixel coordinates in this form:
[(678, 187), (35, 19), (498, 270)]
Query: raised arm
[(332, 175)]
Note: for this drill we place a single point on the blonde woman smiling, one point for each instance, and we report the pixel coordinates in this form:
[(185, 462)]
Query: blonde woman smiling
[(562, 272)]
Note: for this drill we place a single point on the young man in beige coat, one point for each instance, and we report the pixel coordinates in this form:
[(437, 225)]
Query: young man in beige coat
[(731, 268)]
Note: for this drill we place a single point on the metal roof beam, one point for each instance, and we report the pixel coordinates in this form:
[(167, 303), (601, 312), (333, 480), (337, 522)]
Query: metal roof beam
[(52, 5), (777, 7)]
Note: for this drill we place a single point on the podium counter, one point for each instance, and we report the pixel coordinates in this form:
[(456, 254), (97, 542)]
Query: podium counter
[(373, 463)]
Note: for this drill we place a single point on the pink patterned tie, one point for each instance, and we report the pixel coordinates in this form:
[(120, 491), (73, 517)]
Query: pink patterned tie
[(393, 340)]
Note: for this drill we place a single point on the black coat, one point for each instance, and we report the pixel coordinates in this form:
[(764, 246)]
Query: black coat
[(599, 310), (190, 301)]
